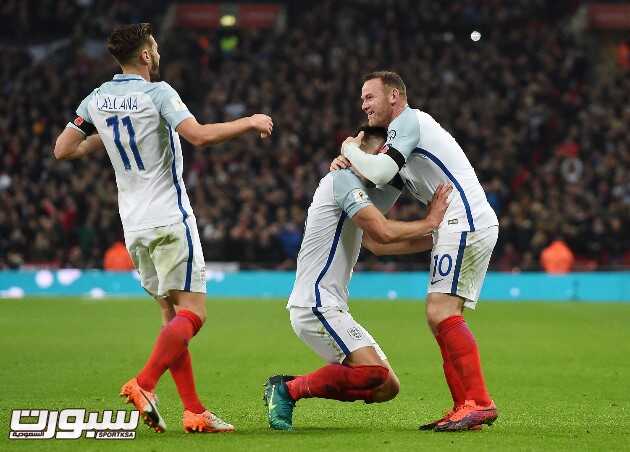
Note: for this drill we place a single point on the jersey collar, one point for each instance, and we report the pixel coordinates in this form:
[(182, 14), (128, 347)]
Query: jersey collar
[(125, 77)]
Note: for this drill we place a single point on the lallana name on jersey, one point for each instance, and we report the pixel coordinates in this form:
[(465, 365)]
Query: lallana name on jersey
[(117, 103)]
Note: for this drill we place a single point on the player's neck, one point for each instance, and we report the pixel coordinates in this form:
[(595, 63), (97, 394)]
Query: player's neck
[(397, 110), (135, 70)]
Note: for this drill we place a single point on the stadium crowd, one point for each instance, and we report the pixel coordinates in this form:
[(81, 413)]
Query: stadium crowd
[(545, 133)]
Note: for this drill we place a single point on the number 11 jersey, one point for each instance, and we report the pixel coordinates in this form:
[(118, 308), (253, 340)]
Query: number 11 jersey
[(136, 121)]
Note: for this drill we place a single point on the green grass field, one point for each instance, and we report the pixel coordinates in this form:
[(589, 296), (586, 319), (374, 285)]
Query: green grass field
[(559, 373)]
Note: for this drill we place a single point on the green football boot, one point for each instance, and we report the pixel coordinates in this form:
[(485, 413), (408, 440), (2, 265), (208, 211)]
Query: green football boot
[(279, 402)]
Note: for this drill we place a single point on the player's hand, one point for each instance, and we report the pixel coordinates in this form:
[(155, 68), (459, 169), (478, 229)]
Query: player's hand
[(352, 140), (438, 205), (340, 162), (262, 124)]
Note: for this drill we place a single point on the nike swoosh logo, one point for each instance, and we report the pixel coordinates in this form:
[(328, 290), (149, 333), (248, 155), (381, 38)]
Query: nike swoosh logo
[(271, 404), (436, 281)]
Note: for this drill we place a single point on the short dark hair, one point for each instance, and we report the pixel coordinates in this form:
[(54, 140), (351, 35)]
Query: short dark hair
[(389, 78), (126, 40), (373, 132)]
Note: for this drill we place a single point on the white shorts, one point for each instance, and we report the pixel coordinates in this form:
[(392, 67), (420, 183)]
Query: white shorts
[(331, 332), (168, 258), (459, 262)]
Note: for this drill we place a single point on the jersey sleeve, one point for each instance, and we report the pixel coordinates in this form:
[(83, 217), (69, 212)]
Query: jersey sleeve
[(83, 121), (350, 194), (403, 134), (170, 105), (82, 109)]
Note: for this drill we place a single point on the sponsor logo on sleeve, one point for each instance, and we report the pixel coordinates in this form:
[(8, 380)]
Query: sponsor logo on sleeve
[(78, 121), (391, 134)]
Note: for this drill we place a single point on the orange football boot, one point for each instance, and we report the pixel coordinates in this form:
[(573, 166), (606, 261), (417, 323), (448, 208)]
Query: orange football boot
[(469, 416), (431, 425), (145, 402)]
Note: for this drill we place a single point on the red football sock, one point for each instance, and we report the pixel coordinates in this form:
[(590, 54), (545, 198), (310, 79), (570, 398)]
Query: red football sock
[(182, 373), (170, 344), (458, 393), (464, 355), (352, 395), (338, 382)]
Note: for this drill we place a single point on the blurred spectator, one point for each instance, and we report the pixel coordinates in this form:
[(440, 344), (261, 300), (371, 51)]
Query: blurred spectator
[(557, 258), (117, 258), (623, 55)]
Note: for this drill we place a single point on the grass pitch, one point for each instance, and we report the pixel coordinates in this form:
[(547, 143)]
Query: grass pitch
[(559, 373)]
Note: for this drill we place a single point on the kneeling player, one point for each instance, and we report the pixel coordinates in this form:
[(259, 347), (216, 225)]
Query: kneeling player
[(357, 369)]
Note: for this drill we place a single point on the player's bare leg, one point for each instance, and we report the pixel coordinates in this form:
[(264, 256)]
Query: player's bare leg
[(472, 405), (167, 310)]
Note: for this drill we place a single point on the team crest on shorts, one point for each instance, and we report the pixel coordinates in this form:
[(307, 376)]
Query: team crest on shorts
[(355, 333)]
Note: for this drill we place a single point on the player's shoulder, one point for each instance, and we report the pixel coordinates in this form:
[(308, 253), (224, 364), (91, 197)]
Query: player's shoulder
[(407, 121), (425, 119), (160, 92), (345, 181), (162, 87)]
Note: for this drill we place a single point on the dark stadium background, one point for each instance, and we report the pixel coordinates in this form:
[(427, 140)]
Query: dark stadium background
[(539, 104)]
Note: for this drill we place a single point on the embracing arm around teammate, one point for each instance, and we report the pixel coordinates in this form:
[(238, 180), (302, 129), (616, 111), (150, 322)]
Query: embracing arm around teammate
[(381, 230)]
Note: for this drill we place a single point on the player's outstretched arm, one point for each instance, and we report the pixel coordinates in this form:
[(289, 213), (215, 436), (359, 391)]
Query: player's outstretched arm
[(385, 231), (377, 168), (73, 144), (207, 134)]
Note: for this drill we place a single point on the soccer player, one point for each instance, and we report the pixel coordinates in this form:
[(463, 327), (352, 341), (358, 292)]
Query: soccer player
[(341, 210), (139, 121), (425, 155)]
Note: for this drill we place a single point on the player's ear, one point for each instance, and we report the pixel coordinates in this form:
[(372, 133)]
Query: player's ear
[(145, 55)]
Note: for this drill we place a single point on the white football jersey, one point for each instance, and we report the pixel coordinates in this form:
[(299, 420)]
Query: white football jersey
[(432, 157), (136, 120), (332, 242)]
